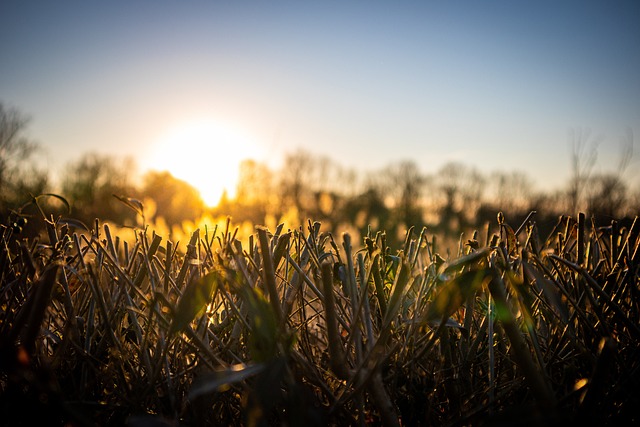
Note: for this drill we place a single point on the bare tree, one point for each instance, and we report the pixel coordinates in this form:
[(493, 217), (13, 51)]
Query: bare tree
[(254, 192), (401, 186), (513, 191), (602, 193), (583, 159), (176, 200), (462, 188), (90, 183), (606, 195), (17, 177), (310, 183), (296, 181)]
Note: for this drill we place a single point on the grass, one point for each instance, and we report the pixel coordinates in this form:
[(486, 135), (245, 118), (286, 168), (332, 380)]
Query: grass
[(301, 327)]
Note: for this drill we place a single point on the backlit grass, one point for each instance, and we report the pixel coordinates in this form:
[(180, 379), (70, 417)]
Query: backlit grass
[(303, 327)]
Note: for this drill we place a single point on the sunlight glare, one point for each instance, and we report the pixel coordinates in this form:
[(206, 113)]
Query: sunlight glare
[(206, 154)]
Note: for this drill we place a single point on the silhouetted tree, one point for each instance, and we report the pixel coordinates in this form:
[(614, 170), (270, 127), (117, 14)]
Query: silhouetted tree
[(512, 191), (176, 201), (312, 184), (606, 195), (584, 155), (367, 209), (331, 186), (90, 183), (296, 181), (18, 178), (462, 188), (254, 192), (403, 183)]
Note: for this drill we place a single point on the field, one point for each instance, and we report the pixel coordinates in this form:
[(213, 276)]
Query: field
[(303, 327)]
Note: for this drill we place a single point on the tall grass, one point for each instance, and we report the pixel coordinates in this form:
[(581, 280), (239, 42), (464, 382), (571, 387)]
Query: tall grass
[(301, 327)]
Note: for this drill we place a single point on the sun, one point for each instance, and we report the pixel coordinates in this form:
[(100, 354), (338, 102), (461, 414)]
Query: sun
[(206, 154)]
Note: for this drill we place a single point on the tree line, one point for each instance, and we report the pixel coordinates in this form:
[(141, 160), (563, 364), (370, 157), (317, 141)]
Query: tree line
[(455, 198)]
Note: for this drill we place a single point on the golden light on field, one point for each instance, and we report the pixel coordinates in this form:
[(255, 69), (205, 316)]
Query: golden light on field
[(206, 154)]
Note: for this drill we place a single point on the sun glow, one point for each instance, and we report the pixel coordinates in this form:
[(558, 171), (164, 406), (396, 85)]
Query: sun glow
[(205, 154)]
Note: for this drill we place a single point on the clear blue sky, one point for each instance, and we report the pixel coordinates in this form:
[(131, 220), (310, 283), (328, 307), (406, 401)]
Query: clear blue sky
[(495, 84)]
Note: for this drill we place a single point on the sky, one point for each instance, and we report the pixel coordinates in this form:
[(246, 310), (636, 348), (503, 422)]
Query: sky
[(498, 85)]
